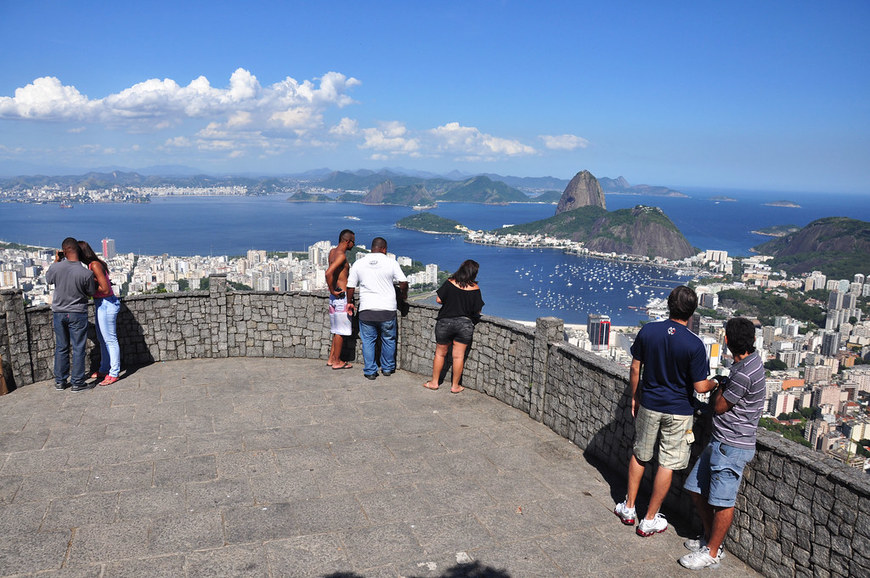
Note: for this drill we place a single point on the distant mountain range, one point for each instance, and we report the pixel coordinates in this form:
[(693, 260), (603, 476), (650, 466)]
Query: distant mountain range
[(836, 246), (541, 189), (620, 186), (397, 189), (95, 180)]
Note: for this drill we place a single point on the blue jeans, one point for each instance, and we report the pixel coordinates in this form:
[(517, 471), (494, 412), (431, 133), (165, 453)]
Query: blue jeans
[(718, 472), (110, 352), (368, 333), (70, 331)]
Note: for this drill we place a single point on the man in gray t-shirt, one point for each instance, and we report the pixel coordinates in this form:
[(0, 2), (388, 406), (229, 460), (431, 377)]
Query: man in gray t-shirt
[(713, 482), (73, 284)]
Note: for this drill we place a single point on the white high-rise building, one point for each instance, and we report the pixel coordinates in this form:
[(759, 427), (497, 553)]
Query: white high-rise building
[(432, 273), (9, 279), (782, 402), (318, 253), (109, 249)]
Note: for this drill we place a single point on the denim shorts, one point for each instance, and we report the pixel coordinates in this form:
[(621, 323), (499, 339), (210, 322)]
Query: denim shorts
[(450, 329), (675, 440), (718, 472)]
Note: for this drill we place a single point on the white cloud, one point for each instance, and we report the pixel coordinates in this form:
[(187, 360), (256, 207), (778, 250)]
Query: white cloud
[(345, 127), (164, 103), (46, 99), (564, 142), (240, 119), (390, 138), (299, 119), (467, 141), (178, 142), (245, 118), (242, 116)]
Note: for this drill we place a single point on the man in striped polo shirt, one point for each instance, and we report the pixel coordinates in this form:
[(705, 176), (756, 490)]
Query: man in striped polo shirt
[(737, 405)]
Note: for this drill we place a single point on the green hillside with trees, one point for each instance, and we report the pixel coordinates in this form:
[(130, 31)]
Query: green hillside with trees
[(430, 223)]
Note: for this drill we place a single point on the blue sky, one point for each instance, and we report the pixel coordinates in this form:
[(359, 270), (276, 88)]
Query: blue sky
[(754, 95)]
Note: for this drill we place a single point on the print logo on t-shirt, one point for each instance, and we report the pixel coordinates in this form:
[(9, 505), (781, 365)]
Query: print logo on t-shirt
[(671, 330)]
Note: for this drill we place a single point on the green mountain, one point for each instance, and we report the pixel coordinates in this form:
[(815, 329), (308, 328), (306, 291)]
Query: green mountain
[(303, 197), (349, 198), (430, 223), (365, 180), (387, 193), (483, 190), (836, 246), (547, 197), (638, 231), (386, 187)]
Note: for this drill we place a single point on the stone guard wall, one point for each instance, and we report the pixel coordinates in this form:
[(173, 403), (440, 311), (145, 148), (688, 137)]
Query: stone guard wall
[(798, 513)]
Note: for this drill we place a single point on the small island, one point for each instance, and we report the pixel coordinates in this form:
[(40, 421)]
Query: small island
[(432, 224), (723, 199), (777, 230), (786, 204), (303, 197)]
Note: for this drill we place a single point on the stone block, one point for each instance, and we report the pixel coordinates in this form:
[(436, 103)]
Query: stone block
[(821, 536), (861, 545), (859, 566)]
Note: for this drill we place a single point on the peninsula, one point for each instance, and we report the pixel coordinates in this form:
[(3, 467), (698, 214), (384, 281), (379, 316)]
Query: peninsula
[(777, 230), (432, 224)]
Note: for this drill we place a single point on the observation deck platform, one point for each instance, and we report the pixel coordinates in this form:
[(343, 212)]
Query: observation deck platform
[(284, 467)]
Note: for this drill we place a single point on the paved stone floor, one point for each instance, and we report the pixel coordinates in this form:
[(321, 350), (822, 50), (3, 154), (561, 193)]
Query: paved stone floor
[(283, 467)]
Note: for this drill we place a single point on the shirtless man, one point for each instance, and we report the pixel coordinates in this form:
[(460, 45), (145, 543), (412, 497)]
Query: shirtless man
[(339, 309)]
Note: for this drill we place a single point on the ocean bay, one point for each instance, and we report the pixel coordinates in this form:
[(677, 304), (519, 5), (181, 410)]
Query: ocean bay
[(518, 283)]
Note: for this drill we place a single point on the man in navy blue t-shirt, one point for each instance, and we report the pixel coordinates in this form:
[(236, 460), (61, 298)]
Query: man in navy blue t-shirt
[(669, 363)]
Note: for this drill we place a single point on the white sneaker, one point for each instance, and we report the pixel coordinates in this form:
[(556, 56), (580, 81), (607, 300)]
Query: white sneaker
[(700, 559), (655, 526), (695, 544), (626, 514)]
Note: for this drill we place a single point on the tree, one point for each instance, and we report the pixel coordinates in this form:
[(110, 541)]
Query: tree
[(775, 365), (783, 417), (808, 412)]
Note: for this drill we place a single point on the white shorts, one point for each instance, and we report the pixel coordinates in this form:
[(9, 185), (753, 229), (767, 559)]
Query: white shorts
[(339, 320)]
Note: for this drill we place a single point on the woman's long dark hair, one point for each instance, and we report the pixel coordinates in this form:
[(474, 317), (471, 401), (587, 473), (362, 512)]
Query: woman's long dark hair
[(466, 274), (88, 256)]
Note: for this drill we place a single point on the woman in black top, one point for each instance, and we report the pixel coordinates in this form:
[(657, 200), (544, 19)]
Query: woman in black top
[(460, 309)]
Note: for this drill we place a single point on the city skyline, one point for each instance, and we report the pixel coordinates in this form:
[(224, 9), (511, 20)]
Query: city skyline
[(769, 96)]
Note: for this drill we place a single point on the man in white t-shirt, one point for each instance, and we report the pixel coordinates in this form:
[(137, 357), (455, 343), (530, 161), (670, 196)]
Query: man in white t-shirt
[(375, 275)]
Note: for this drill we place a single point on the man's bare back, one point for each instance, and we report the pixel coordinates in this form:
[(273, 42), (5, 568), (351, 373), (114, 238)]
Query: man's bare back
[(340, 309), (336, 273)]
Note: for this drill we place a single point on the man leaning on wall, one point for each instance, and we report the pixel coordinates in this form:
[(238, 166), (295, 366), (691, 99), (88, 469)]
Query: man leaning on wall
[(669, 363), (73, 285), (714, 480), (376, 275)]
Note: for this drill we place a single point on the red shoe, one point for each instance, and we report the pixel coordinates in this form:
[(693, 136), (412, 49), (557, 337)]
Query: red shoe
[(109, 380), (97, 375)]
